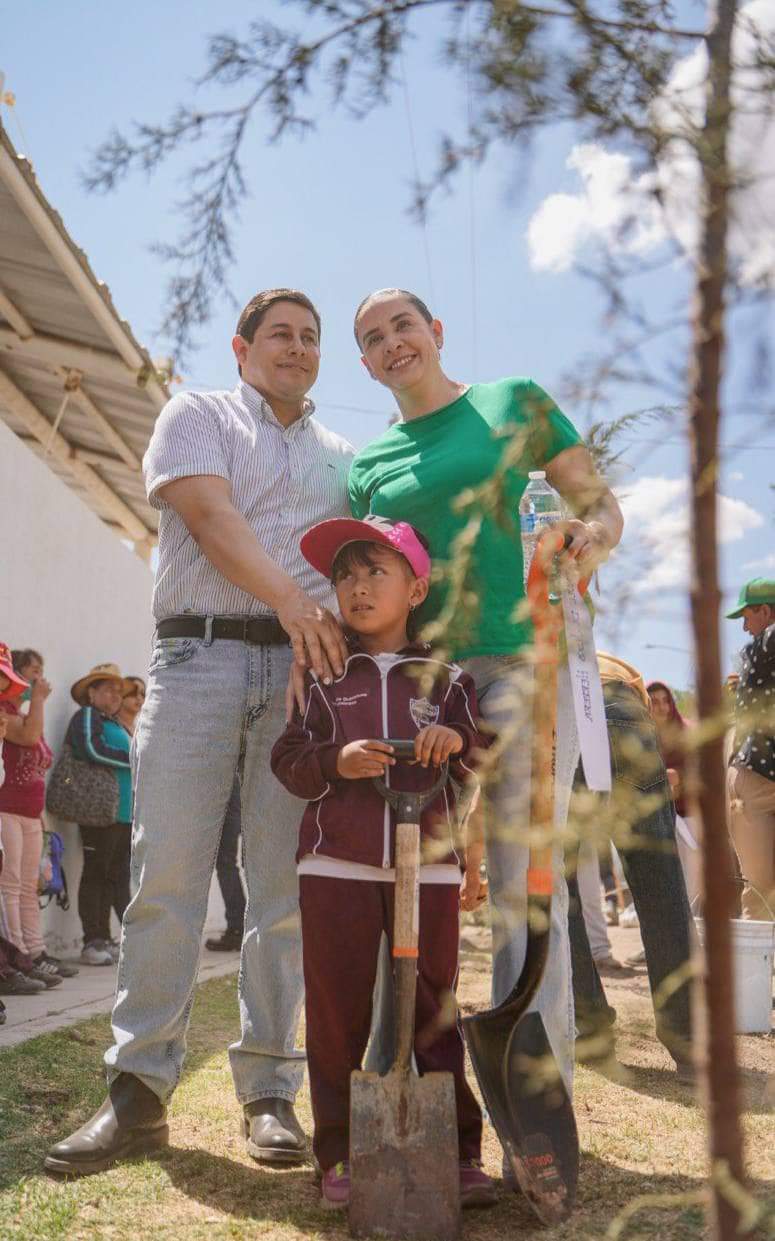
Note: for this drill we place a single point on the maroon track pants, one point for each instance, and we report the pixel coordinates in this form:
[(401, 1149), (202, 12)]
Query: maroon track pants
[(342, 921)]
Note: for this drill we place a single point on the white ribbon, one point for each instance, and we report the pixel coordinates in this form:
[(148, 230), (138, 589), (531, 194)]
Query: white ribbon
[(587, 690)]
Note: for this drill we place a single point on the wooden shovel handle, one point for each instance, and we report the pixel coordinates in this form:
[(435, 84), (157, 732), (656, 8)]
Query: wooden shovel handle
[(547, 624), (406, 935)]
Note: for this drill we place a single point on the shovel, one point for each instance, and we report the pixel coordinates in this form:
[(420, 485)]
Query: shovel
[(404, 1161), (524, 1094)]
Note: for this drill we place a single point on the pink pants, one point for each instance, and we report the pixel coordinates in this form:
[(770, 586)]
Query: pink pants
[(23, 845)]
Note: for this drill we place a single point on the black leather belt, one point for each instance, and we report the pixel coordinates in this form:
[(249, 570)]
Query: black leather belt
[(258, 630)]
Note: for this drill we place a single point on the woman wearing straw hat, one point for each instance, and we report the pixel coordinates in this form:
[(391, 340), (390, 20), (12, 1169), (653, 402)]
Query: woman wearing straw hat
[(95, 736)]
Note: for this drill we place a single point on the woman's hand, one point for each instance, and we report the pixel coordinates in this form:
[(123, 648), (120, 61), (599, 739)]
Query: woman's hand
[(435, 743), (360, 759), (474, 889), (590, 545)]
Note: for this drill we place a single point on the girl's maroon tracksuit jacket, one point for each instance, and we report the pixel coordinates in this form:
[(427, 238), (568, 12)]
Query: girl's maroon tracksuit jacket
[(343, 916)]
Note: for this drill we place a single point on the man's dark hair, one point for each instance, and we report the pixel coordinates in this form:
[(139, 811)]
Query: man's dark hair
[(416, 301), (258, 306), (20, 659)]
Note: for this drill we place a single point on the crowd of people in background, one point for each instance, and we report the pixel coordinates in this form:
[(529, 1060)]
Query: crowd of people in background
[(99, 733)]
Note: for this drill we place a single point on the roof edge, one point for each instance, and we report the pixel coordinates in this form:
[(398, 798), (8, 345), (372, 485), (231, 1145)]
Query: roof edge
[(19, 175)]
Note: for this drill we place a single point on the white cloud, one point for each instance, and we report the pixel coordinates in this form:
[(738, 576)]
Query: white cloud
[(619, 208), (656, 521), (613, 206), (736, 476), (764, 562)]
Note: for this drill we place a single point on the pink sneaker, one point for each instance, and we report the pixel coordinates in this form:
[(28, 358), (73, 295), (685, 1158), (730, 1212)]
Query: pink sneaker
[(335, 1187), (476, 1188)]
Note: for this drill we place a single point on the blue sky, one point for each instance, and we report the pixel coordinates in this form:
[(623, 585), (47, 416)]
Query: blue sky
[(329, 215)]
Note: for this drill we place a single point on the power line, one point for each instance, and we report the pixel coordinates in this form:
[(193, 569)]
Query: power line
[(354, 409), (721, 447), (471, 199), (416, 167)]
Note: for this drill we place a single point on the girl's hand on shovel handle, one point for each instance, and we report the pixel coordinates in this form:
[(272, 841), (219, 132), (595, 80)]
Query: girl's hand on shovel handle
[(436, 743), (360, 759)]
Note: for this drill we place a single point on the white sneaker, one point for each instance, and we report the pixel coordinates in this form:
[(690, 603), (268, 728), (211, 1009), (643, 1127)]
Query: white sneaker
[(629, 917), (96, 953)]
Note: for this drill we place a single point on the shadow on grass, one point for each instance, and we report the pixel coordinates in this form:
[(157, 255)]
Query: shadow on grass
[(663, 1084), (50, 1085), (291, 1197)]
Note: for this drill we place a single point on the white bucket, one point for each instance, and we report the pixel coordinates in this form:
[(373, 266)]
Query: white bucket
[(753, 948)]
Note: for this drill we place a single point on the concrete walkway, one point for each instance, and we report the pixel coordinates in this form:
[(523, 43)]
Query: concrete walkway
[(90, 993), (92, 990)]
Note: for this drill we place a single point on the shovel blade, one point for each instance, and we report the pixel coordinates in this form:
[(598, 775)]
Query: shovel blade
[(529, 1107), (404, 1174)]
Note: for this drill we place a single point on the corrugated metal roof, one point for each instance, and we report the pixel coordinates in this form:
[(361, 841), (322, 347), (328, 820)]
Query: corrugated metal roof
[(61, 338)]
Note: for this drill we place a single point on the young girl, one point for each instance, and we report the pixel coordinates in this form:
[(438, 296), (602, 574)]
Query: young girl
[(391, 687)]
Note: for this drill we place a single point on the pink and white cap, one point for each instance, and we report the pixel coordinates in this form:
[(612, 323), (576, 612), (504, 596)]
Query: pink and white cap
[(321, 544)]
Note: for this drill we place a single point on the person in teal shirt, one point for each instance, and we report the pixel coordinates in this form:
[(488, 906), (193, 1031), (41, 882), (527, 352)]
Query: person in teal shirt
[(95, 736), (455, 466)]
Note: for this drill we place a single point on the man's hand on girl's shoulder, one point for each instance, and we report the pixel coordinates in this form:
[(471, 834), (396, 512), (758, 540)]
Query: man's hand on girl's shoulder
[(360, 759), (436, 743)]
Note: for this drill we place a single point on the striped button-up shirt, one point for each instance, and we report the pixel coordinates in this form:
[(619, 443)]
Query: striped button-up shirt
[(283, 480)]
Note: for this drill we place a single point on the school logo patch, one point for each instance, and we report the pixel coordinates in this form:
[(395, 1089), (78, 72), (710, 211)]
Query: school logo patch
[(423, 712)]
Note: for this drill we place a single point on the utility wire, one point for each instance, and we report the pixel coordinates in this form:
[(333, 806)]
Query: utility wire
[(416, 169), (471, 200)]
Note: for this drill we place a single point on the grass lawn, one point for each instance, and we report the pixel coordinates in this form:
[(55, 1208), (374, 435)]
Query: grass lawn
[(641, 1134)]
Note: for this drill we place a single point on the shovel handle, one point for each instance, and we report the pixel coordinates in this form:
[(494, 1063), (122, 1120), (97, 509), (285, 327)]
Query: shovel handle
[(547, 622), (406, 936)]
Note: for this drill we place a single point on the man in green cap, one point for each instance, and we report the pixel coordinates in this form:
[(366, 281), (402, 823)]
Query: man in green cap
[(752, 769)]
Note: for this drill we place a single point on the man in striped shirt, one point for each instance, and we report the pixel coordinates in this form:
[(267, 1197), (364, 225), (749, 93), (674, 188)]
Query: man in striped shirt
[(238, 477)]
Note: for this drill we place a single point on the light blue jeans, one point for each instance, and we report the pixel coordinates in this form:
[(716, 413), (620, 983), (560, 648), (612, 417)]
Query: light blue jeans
[(504, 693), (211, 710)]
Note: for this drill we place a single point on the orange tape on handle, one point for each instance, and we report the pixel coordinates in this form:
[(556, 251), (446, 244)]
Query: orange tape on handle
[(540, 881), (405, 952)]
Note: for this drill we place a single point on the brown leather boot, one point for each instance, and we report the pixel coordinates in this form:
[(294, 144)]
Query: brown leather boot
[(131, 1121)]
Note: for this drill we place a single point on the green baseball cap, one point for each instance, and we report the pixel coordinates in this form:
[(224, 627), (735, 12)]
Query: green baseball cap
[(758, 590)]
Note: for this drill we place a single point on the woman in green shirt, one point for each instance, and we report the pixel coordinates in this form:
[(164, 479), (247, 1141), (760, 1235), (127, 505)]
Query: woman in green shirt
[(456, 466)]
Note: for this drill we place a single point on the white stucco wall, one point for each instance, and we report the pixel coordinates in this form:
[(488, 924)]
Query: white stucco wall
[(72, 590)]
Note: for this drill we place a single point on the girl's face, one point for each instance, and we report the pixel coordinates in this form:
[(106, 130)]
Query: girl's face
[(660, 705), (32, 671), (376, 598), (400, 350), (105, 696), (4, 683)]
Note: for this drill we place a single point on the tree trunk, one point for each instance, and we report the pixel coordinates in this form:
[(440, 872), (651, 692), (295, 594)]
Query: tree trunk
[(721, 1079)]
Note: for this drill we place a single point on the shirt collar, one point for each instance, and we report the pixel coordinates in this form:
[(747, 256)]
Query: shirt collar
[(257, 405)]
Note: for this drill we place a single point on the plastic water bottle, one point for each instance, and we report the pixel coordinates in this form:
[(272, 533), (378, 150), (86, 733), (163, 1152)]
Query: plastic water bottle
[(539, 508)]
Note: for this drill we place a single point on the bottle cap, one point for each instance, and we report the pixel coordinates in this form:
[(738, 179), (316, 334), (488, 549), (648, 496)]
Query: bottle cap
[(537, 474)]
